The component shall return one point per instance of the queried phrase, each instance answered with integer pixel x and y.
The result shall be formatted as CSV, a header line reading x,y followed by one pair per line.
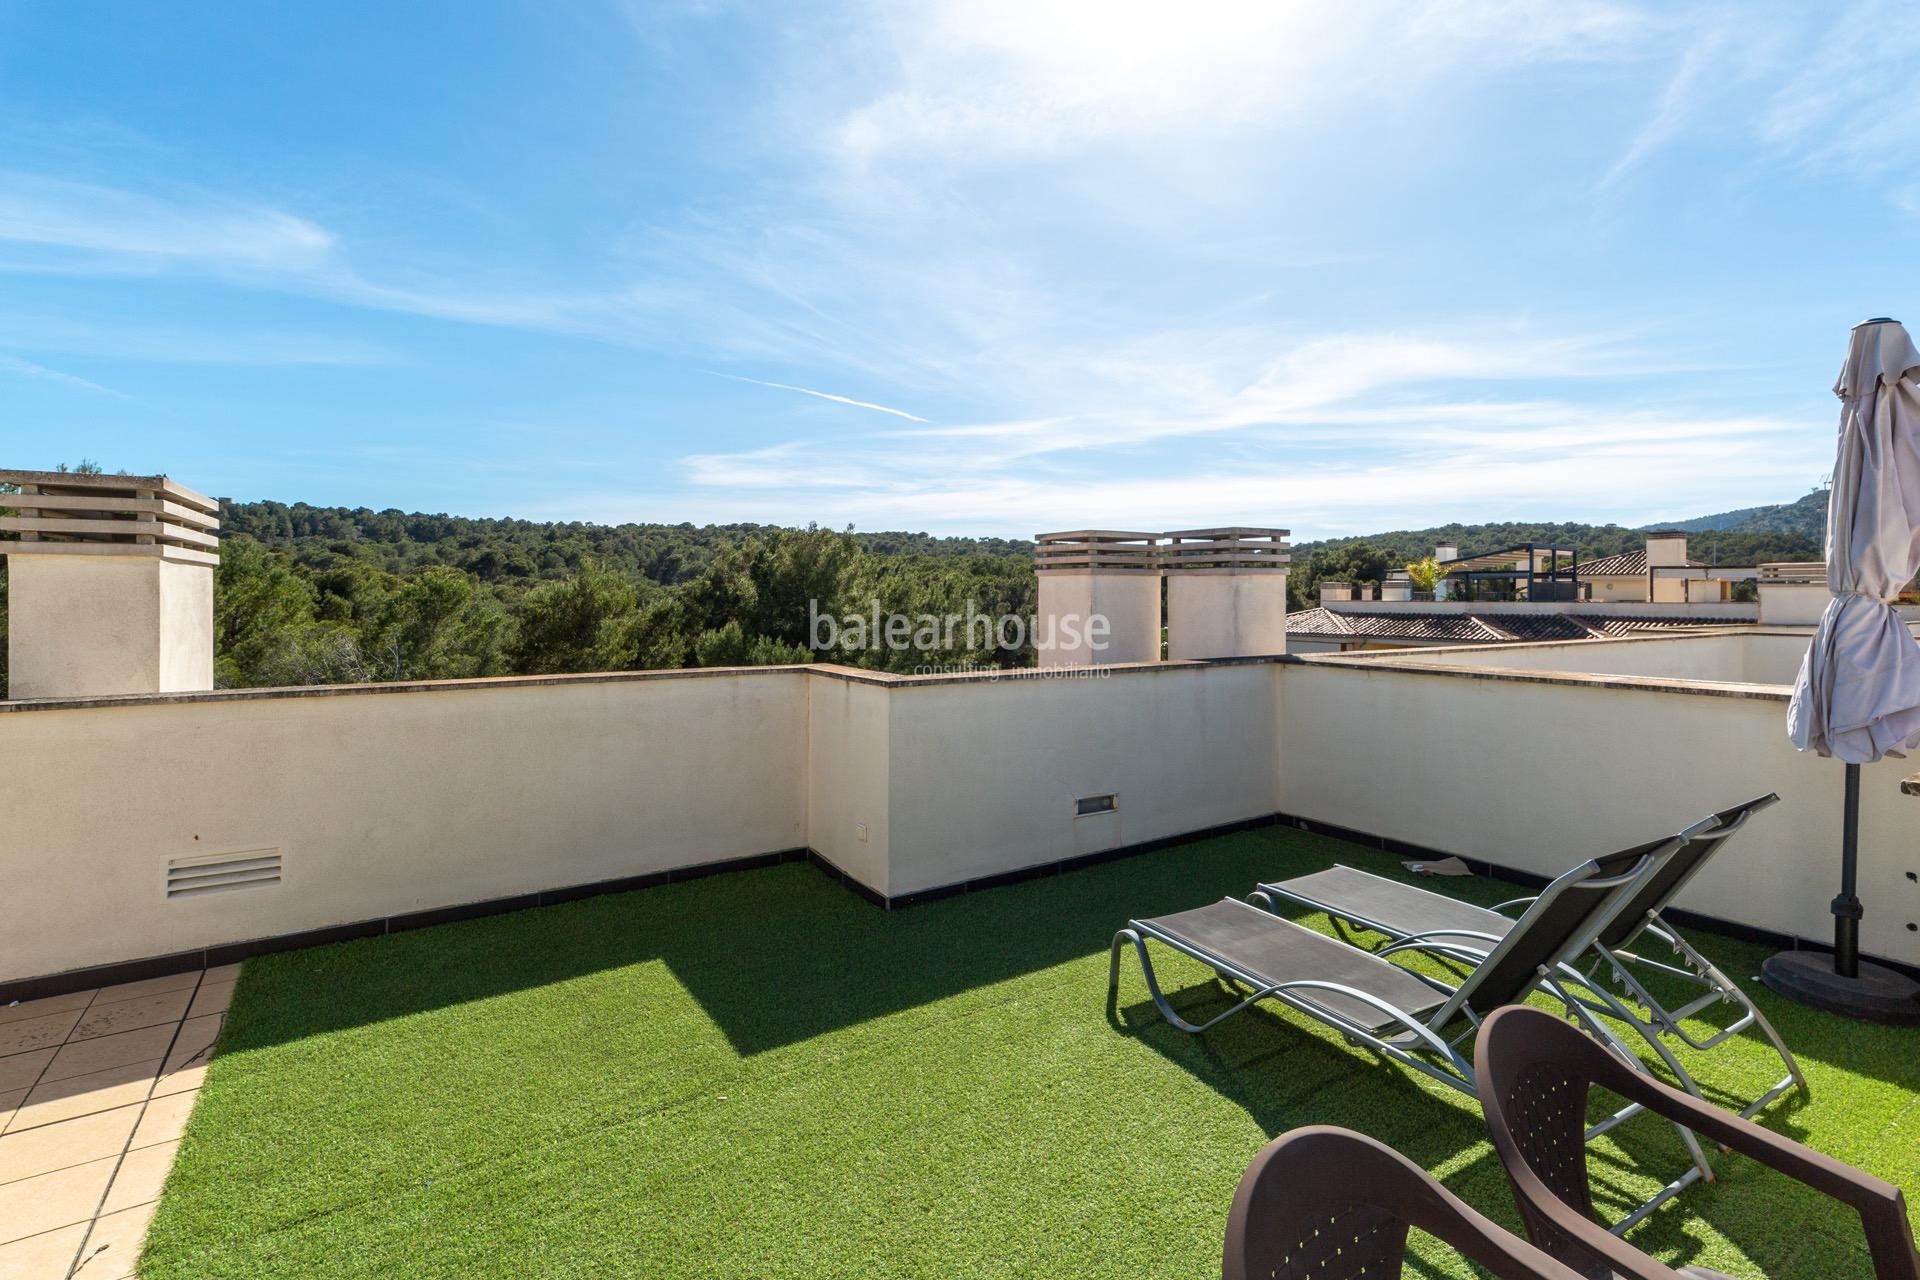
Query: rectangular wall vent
x,y
1092,804
222,872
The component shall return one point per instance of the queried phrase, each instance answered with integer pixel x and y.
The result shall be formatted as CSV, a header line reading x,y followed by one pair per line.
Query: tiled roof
x,y
1459,628
1483,628
1646,626
1628,564
1538,626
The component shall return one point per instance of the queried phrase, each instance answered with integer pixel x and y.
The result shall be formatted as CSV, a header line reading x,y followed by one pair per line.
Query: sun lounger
x,y
1395,1010
1411,1017
1403,912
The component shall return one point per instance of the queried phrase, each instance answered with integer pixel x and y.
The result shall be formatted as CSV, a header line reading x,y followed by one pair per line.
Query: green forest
x,y
324,595
327,595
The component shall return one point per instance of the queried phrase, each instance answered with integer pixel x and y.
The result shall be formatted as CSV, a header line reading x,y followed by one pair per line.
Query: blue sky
x,y
959,266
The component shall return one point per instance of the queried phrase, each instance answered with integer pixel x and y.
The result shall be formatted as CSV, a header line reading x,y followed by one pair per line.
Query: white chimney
x,y
1099,598
1443,589
1335,592
1666,550
1226,592
110,588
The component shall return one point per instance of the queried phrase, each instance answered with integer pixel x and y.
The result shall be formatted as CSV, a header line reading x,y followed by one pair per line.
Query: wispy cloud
x,y
1350,432
823,395
28,369
144,231
1674,108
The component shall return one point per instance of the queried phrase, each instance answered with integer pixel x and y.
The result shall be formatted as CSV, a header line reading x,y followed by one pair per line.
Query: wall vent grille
x,y
222,872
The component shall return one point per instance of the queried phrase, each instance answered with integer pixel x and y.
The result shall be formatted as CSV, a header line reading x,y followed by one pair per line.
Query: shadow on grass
x,y
1286,1071
772,956
783,954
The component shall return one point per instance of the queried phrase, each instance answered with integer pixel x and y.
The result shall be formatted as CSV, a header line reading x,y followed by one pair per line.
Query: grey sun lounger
x,y
1400,912
1413,1018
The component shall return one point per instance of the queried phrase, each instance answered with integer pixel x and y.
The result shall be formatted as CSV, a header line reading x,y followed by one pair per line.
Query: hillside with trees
x,y
321,595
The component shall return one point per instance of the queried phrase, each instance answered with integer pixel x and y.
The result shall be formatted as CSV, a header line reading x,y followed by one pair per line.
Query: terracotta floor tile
x,y
113,1248
47,1031
42,1007
221,973
43,1257
131,1015
212,997
58,1146
142,1174
84,1057
164,1120
22,1070
33,1205
58,1100
149,987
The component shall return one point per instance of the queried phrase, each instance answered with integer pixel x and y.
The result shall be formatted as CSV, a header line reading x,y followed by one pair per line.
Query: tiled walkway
x,y
95,1089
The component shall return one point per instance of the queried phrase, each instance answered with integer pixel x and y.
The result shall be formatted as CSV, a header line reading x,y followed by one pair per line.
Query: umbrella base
x,y
1879,994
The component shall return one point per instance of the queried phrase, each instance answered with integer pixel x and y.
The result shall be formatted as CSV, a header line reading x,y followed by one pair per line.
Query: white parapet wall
x,y
376,802
990,777
154,826
312,809
1536,769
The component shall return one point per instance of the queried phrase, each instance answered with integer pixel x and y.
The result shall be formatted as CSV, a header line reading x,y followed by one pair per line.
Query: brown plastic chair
x,y
1535,1073
1328,1204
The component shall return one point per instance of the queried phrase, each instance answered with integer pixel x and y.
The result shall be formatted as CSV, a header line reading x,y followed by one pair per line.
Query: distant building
x,y
1532,592
1661,573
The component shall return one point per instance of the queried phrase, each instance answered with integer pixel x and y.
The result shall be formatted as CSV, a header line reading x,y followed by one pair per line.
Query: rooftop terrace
x,y
761,1074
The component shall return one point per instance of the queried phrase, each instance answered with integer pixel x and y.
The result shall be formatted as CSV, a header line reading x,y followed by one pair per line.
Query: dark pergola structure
x,y
1520,566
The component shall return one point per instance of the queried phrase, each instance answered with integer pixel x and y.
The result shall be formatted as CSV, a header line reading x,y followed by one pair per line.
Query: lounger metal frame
x,y
1658,1021
1558,979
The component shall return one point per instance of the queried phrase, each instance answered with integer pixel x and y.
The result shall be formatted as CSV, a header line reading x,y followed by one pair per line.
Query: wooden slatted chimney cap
x,y
1100,550
68,513
1238,548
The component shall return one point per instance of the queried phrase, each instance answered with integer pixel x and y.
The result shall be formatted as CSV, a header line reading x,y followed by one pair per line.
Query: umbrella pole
x,y
1841,982
1846,908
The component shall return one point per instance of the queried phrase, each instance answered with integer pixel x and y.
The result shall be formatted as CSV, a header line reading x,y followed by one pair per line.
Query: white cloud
x,y
987,80
1359,431
28,369
142,231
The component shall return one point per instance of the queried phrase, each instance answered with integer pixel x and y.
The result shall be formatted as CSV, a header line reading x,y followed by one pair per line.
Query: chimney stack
x,y
1666,550
110,588
1332,592
1443,589
1099,598
1226,592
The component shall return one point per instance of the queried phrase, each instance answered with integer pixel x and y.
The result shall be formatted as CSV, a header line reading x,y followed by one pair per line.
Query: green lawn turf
x,y
759,1074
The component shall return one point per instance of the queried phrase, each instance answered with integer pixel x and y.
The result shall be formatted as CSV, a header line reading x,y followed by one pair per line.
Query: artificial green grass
x,y
759,1074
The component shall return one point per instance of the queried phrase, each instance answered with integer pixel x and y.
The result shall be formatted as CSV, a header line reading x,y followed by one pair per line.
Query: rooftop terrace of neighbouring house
x,y
801,970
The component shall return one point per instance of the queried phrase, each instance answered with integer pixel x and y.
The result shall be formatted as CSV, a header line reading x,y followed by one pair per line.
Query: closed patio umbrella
x,y
1857,697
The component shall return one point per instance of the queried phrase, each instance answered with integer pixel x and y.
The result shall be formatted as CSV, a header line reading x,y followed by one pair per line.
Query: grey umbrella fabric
x,y
1858,693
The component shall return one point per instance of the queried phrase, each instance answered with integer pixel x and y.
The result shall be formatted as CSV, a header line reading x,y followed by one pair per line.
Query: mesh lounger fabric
x,y
1275,951
1403,909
